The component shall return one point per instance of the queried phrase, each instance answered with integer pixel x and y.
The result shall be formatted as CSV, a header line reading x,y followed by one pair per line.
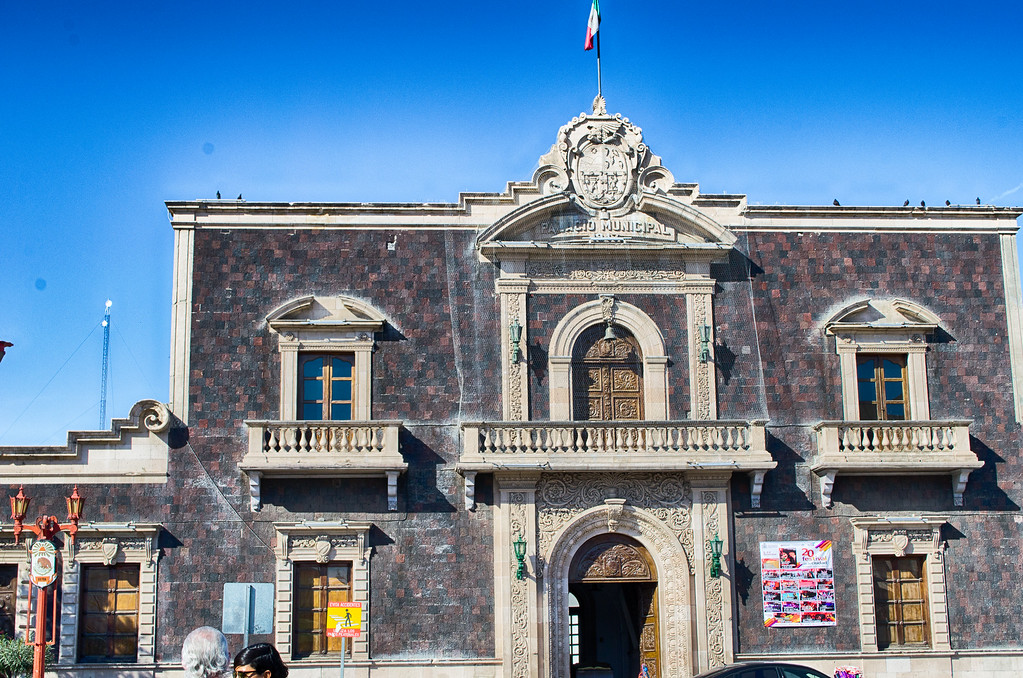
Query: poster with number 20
x,y
799,583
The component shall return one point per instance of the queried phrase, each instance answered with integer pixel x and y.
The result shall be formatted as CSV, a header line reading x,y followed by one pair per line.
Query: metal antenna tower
x,y
106,356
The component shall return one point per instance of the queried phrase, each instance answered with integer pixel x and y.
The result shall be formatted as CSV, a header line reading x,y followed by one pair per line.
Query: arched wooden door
x,y
614,582
607,376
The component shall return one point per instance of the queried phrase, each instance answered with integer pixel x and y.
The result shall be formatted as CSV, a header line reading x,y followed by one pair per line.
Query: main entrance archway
x,y
656,578
613,582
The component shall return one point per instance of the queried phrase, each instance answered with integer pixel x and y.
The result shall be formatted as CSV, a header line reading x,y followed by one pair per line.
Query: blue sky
x,y
108,109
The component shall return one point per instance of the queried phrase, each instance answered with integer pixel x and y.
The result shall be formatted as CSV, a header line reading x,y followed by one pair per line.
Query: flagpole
x,y
599,89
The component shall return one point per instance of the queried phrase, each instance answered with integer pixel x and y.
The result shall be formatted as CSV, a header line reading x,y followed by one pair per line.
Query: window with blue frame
x,y
882,385
325,391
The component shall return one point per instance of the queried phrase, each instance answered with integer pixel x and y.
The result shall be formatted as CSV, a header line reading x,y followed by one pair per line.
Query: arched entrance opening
x,y
607,376
613,615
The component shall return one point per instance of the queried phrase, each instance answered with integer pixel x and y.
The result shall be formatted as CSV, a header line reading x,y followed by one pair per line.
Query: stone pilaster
x,y
702,382
516,373
516,600
714,596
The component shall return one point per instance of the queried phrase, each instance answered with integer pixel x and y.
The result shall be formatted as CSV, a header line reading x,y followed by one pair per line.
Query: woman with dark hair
x,y
261,660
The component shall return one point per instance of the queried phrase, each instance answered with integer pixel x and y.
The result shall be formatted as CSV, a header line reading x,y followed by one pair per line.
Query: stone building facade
x,y
601,369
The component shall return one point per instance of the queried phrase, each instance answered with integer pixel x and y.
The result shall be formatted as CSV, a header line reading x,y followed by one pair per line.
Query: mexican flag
x,y
592,25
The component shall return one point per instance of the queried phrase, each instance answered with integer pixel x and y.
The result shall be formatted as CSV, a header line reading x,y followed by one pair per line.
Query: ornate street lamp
x,y
44,562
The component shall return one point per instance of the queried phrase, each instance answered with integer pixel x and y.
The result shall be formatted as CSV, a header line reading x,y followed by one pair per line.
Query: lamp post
x,y
44,562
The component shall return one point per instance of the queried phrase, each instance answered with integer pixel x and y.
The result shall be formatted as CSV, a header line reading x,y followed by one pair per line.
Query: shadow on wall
x,y
780,492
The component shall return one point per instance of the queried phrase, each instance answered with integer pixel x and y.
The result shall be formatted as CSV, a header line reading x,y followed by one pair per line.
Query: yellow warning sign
x,y
344,620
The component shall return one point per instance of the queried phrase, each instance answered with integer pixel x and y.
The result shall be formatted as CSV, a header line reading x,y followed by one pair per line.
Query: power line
x,y
59,369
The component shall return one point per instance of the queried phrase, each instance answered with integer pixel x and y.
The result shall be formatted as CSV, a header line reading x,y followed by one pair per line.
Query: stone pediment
x,y
311,312
880,315
600,185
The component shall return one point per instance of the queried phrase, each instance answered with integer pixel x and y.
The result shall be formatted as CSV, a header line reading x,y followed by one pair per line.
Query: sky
x,y
107,109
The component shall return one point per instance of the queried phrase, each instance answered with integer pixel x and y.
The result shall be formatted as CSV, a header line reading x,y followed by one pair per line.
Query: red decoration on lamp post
x,y
44,562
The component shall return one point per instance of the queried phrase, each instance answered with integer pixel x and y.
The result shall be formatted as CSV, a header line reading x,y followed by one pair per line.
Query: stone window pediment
x,y
326,325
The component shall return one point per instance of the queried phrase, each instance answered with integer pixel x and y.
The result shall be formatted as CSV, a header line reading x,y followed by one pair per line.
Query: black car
x,y
763,670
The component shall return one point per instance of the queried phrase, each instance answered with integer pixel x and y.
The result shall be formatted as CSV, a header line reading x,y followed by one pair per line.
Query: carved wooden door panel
x,y
8,598
649,647
608,378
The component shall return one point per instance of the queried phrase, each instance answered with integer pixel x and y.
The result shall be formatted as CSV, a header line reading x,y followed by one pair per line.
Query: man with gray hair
x,y
204,654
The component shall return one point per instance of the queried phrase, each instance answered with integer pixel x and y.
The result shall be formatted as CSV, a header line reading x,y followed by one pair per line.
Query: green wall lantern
x,y
520,555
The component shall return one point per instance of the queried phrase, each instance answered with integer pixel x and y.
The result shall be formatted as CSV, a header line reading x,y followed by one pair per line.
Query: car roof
x,y
748,665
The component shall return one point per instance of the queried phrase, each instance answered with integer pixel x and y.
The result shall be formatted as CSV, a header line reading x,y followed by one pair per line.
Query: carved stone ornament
x,y
322,548
110,549
614,513
602,162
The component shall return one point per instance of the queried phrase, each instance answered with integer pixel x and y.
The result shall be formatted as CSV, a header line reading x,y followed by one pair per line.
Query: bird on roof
x,y
4,345
978,201
906,204
948,204
836,203
218,195
923,204
239,196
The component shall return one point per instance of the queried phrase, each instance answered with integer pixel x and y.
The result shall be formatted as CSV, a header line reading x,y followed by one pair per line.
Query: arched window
x,y
632,326
607,375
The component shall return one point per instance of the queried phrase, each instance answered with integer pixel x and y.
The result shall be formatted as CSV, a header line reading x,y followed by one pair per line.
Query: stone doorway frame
x,y
672,565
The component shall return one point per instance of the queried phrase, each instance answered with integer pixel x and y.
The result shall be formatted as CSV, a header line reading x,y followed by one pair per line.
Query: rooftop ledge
x,y
577,446
299,449
894,448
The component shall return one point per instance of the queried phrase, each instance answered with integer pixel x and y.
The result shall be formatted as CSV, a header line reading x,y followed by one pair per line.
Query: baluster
x,y
948,437
730,437
552,435
543,440
584,436
655,439
272,443
886,439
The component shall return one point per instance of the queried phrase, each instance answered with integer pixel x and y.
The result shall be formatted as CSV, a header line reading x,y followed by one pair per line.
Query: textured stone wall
x,y
798,282
436,364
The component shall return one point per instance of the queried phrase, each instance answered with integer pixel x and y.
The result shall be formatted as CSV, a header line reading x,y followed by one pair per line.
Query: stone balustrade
x,y
894,448
689,440
634,446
